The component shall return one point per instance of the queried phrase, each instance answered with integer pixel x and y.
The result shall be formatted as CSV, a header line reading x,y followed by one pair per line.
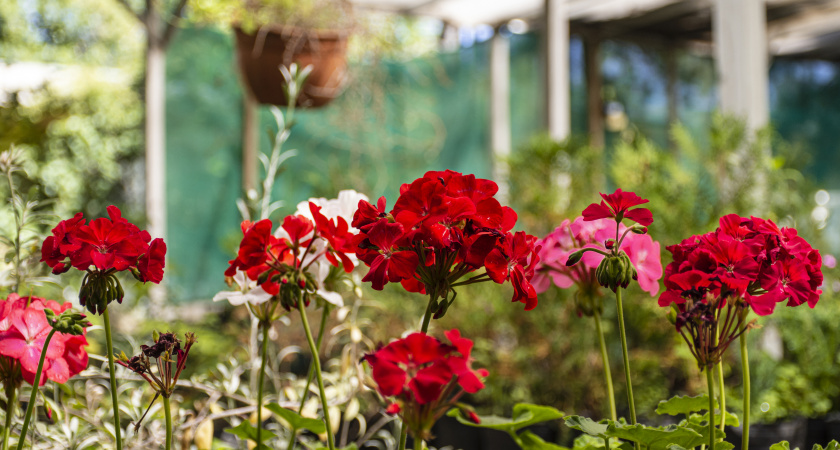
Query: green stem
x,y
310,375
264,355
10,412
419,444
427,318
317,363
110,344
403,436
722,396
33,396
745,367
168,415
623,335
710,382
606,362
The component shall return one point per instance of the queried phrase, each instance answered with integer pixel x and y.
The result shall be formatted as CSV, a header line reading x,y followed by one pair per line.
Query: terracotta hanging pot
x,y
260,54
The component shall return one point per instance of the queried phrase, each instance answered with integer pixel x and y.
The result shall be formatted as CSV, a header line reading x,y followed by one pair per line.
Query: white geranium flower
x,y
344,206
248,292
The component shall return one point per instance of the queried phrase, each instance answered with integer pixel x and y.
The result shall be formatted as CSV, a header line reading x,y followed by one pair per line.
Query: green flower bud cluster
x,y
615,271
68,322
99,289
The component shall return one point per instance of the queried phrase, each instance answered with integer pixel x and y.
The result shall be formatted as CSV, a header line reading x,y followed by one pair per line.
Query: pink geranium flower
x,y
570,237
23,331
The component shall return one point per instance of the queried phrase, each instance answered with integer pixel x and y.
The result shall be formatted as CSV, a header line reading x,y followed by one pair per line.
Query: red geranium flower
x,y
101,248
389,263
442,228
618,206
421,373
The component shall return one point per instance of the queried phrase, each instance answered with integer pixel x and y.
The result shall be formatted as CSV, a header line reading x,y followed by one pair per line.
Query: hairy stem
x,y
10,412
745,368
403,436
310,375
110,344
710,382
264,355
168,414
317,363
33,397
623,335
722,396
606,362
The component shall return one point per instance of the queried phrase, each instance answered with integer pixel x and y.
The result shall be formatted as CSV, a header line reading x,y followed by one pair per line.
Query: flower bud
x,y
574,258
609,244
639,229
302,284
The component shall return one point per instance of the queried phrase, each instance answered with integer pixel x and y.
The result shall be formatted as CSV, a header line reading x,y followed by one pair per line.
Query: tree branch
x,y
134,13
172,24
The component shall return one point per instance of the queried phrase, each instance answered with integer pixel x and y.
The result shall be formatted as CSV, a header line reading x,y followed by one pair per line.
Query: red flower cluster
x,y
280,259
442,227
425,376
23,330
751,258
114,244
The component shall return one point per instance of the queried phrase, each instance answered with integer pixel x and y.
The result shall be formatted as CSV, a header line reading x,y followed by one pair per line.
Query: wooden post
x,y
500,138
558,103
250,140
740,38
671,74
594,83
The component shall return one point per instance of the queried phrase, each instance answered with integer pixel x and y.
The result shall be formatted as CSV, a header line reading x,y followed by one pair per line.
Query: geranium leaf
x,y
247,431
784,445
833,445
524,414
587,442
297,421
656,438
684,405
700,424
588,426
530,441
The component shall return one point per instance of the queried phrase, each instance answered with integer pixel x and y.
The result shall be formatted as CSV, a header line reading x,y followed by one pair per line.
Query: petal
x,y
641,215
597,211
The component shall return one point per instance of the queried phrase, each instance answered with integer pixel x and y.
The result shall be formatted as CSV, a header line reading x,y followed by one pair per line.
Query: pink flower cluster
x,y
751,258
572,236
23,330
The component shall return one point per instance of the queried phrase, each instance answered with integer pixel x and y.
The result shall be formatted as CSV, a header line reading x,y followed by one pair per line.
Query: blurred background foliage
x,y
82,137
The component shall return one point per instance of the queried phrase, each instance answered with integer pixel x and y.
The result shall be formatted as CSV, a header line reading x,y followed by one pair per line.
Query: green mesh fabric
x,y
400,119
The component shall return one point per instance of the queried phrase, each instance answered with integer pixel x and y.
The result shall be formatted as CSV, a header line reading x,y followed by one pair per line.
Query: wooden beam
x,y
740,37
558,99
500,136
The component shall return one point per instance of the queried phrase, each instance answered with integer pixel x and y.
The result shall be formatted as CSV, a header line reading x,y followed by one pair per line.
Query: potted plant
x,y
271,33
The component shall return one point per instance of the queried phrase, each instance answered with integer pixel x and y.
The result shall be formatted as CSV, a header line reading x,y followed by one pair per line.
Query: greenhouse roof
x,y
794,27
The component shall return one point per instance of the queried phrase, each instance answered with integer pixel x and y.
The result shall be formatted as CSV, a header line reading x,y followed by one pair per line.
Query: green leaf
x,y
352,446
297,421
656,438
247,431
723,445
684,405
530,441
587,442
784,445
731,419
700,424
588,426
524,414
